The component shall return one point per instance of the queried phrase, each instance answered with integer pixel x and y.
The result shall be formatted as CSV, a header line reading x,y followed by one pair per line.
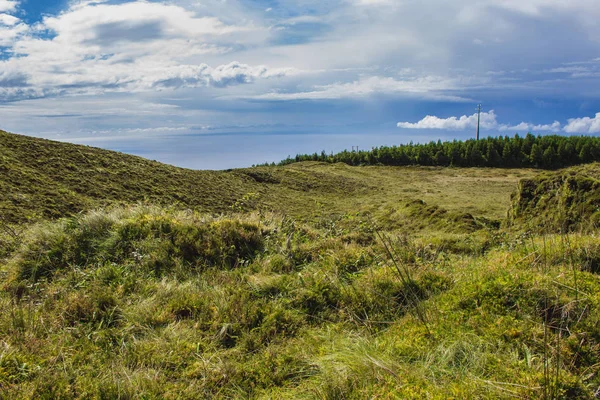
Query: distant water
x,y
239,150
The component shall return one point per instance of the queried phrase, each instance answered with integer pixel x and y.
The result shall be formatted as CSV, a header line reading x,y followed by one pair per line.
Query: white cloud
x,y
243,73
100,78
523,126
140,45
527,127
11,27
555,127
583,125
538,8
8,34
89,22
8,20
587,69
76,4
221,76
567,70
8,5
531,7
133,47
431,87
488,121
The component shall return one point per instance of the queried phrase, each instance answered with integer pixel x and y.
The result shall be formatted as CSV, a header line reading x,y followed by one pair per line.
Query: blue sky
x,y
228,83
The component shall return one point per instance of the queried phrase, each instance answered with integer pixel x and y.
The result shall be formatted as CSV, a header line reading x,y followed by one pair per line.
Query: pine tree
x,y
549,157
536,155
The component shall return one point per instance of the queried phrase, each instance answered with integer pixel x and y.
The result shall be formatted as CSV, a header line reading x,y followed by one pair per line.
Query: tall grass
x,y
147,302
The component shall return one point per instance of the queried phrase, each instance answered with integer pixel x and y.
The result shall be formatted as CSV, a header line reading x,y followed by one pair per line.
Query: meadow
x,y
123,278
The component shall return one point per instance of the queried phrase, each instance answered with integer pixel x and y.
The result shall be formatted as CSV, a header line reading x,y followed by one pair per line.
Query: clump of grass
x,y
562,201
151,241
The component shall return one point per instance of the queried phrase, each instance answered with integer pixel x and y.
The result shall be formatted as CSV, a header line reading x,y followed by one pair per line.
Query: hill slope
x,y
53,179
43,178
46,179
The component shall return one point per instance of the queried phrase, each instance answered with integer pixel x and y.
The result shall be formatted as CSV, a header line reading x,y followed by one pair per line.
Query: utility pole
x,y
478,119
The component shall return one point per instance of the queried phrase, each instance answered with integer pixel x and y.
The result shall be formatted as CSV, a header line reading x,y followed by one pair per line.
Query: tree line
x,y
547,152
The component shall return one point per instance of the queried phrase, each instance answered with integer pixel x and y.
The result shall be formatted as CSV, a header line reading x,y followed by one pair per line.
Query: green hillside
x,y
47,179
122,278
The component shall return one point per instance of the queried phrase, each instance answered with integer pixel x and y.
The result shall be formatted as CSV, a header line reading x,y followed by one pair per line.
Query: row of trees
x,y
508,152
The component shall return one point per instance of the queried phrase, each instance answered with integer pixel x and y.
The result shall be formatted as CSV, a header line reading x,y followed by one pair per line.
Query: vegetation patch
x,y
561,201
149,240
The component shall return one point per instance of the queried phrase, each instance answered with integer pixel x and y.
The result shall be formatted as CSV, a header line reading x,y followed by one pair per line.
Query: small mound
x,y
262,176
149,240
423,215
562,201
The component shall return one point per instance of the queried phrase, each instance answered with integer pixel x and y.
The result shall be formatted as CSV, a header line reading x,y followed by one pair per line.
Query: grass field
x,y
309,281
44,179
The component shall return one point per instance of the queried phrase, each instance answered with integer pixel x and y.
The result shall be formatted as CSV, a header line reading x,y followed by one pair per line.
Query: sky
x,y
217,84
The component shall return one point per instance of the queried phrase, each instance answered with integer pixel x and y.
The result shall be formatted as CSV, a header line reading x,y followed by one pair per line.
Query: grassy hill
x,y
309,281
47,179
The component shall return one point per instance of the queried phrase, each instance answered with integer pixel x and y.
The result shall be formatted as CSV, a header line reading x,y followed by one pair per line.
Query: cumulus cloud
x,y
90,23
129,31
555,127
8,5
489,121
140,45
528,127
11,27
583,125
9,33
8,20
135,46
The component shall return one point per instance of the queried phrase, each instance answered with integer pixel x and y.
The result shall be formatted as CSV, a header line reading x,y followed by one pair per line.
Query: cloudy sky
x,y
228,83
